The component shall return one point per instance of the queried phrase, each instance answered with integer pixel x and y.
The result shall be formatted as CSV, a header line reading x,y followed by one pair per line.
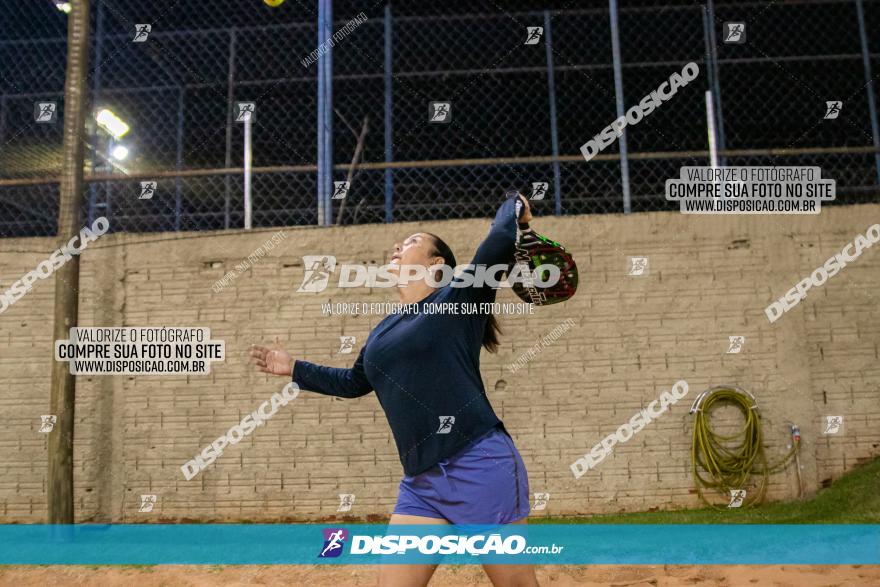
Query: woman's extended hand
x,y
273,361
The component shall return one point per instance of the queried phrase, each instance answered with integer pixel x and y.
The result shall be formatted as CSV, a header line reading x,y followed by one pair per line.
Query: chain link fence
x,y
520,107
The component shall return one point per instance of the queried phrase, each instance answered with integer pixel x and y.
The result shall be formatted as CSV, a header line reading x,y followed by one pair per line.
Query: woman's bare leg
x,y
408,575
512,575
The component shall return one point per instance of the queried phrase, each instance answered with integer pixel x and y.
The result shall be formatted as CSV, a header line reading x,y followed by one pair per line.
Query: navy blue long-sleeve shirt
x,y
425,367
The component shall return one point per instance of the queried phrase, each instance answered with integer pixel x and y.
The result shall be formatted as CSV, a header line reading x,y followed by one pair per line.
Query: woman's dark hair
x,y
490,334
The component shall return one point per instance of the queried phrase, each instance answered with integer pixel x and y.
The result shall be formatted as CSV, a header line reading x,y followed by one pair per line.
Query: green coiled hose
x,y
730,462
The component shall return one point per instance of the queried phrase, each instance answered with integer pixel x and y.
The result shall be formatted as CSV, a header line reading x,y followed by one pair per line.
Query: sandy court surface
x,y
446,576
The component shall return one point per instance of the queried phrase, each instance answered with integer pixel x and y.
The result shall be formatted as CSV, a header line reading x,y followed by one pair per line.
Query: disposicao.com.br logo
x,y
430,544
320,268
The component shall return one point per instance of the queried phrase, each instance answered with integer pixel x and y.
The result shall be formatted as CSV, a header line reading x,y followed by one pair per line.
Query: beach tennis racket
x,y
534,250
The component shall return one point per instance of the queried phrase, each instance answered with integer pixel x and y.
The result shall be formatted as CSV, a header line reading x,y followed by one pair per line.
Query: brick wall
x,y
709,278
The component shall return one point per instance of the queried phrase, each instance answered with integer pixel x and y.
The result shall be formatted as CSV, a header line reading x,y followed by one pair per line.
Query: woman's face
x,y
417,249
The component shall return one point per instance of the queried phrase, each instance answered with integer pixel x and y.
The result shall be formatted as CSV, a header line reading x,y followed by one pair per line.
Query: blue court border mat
x,y
582,544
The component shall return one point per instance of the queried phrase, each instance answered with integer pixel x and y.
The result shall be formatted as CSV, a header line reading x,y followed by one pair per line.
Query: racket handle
x,y
516,194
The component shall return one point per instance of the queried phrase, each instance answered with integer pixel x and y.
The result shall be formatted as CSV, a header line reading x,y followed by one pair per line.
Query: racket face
x,y
536,250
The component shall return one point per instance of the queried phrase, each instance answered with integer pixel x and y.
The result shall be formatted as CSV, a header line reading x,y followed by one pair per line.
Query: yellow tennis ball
x,y
274,3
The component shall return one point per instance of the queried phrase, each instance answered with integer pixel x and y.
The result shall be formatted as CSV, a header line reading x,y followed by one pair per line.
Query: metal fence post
x,y
247,162
714,77
230,96
325,112
389,112
96,98
554,131
108,184
319,123
328,113
869,79
618,92
3,120
178,198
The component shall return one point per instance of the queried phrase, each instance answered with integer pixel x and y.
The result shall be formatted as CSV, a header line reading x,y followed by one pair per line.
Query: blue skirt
x,y
484,483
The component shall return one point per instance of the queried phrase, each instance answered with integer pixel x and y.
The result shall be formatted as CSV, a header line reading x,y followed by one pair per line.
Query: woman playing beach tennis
x,y
460,464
